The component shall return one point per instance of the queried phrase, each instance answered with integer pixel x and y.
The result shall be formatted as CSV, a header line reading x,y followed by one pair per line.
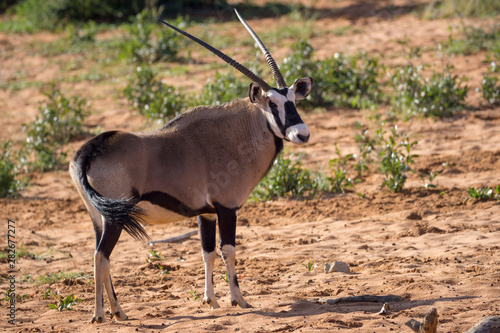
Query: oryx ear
x,y
302,87
255,93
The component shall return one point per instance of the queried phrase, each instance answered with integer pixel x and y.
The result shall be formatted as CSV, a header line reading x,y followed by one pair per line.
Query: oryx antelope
x,y
203,163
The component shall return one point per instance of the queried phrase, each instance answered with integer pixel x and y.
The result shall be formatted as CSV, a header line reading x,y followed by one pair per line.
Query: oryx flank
x,y
203,163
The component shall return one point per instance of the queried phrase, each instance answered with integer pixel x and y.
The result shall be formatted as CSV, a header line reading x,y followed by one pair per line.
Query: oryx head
x,y
278,104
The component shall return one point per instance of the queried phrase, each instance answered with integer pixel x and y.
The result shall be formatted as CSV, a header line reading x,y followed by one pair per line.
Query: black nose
x,y
304,138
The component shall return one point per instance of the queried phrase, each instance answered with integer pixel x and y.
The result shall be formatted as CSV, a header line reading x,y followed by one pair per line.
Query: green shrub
x,y
65,303
367,147
152,98
340,80
469,8
224,88
35,15
150,42
6,4
286,178
84,34
474,39
440,95
10,184
395,158
490,86
188,6
340,180
57,122
483,194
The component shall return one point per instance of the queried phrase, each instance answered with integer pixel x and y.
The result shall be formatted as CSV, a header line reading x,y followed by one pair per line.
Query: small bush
x,y
469,8
10,184
490,86
58,121
152,98
35,15
441,95
474,39
83,34
65,303
340,180
395,158
224,88
286,178
149,42
340,80
483,194
367,147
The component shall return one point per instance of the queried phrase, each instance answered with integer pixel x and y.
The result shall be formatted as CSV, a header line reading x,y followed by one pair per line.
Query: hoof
x,y
243,304
97,320
119,316
211,304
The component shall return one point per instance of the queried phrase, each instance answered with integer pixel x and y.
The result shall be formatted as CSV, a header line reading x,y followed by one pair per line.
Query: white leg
x,y
116,310
209,298
229,254
99,272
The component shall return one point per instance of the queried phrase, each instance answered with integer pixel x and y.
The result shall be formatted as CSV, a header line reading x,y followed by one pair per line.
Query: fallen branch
x,y
174,239
363,298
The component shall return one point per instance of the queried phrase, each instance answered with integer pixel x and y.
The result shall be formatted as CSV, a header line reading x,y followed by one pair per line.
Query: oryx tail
x,y
120,212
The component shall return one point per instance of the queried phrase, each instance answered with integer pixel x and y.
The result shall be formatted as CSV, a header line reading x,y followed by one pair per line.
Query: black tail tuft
x,y
121,212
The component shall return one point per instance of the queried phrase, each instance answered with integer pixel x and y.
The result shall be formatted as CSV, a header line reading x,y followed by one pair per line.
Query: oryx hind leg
x,y
227,231
207,227
109,237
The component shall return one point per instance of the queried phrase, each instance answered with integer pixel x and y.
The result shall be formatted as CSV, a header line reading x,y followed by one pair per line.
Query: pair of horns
x,y
245,71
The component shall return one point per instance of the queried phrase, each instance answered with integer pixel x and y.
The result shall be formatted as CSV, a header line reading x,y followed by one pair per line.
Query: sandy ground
x,y
429,247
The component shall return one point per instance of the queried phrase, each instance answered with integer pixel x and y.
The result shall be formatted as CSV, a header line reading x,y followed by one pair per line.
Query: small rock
x,y
414,216
337,266
386,308
429,325
486,325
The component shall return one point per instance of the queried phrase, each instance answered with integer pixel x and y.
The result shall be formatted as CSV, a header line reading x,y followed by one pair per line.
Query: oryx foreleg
x,y
207,226
227,232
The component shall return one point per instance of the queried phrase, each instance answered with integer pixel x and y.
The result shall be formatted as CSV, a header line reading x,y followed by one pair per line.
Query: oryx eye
x,y
272,105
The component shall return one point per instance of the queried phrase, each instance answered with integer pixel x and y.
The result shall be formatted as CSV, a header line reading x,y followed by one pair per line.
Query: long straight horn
x,y
274,68
245,71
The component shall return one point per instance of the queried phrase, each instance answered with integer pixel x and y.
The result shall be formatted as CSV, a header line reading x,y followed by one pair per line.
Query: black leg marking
x,y
97,231
227,224
112,289
236,282
111,234
207,229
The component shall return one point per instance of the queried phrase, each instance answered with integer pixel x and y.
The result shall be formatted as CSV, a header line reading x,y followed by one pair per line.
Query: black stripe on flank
x,y
172,204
